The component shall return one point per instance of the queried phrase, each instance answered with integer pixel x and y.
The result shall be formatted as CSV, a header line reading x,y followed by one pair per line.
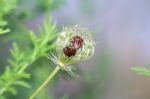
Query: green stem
x,y
55,71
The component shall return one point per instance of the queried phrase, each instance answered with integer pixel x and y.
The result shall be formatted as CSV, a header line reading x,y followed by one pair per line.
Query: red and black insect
x,y
69,51
76,43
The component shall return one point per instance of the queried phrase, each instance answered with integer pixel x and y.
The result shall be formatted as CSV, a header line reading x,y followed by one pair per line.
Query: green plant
x,y
49,4
2,31
6,7
26,50
64,62
39,46
141,71
15,72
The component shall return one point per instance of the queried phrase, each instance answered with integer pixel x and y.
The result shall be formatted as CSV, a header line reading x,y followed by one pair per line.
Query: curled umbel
x,y
73,45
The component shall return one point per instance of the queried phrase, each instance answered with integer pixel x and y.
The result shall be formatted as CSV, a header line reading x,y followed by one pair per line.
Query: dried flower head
x,y
74,44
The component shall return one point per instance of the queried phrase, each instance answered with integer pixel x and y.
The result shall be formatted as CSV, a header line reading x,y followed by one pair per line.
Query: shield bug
x,y
69,51
77,42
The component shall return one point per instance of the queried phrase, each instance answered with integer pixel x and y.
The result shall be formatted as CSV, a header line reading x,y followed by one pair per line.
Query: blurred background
x,y
122,39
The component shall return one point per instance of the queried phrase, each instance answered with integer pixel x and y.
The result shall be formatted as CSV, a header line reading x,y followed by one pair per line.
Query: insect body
x,y
76,43
69,51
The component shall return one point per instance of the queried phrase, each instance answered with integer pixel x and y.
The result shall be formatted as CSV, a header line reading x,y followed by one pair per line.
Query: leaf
x,y
11,62
15,51
12,90
2,31
6,7
23,75
7,71
22,83
15,74
141,71
33,38
2,97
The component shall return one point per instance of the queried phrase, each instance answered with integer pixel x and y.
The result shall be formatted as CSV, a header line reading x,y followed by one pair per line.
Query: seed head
x,y
73,45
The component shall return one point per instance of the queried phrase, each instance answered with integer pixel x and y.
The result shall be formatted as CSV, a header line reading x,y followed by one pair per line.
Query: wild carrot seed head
x,y
64,46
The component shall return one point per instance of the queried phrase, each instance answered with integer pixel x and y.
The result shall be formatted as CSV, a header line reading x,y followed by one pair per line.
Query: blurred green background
x,y
121,34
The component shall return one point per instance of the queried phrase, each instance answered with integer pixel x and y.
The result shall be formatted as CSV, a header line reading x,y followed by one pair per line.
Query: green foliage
x,y
14,13
2,31
41,43
6,6
141,71
15,73
27,7
49,4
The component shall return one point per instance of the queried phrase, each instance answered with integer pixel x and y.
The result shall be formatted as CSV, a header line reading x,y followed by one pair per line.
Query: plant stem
x,y
55,71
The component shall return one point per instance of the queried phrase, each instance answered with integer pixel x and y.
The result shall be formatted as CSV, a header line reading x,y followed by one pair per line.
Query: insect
x,y
69,51
76,43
